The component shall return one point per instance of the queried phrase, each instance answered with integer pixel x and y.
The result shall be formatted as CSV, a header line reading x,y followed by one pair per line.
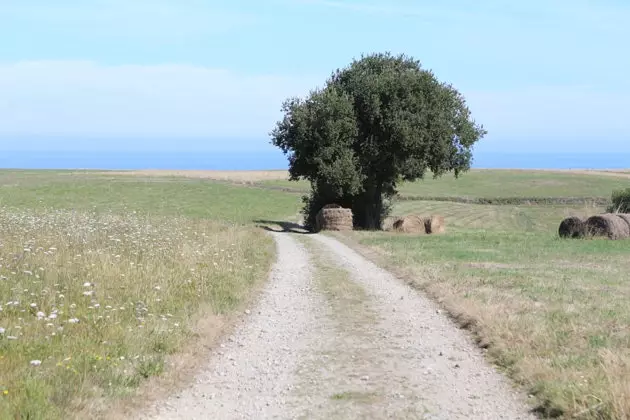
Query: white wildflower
x,y
2,331
36,362
73,321
87,284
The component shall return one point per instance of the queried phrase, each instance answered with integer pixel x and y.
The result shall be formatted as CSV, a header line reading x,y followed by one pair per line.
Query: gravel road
x,y
376,349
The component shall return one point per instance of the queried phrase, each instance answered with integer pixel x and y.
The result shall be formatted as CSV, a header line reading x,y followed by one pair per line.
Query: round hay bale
x,y
434,224
388,223
625,217
334,218
572,227
607,225
410,224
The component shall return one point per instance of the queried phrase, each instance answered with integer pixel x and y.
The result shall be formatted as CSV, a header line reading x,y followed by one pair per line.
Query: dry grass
x,y
232,176
619,173
92,305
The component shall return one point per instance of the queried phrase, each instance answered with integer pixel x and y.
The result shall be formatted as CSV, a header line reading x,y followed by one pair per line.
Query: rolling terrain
x,y
550,314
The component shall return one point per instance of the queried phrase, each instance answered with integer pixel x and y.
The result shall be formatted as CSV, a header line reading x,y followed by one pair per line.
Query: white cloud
x,y
120,19
84,98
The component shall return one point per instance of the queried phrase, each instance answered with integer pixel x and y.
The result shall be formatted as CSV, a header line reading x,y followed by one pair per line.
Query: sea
x,y
267,160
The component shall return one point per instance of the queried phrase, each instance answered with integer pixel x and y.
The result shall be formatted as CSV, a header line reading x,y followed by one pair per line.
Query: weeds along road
x,y
335,337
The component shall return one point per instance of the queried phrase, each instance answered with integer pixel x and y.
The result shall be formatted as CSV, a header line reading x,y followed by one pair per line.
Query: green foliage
x,y
379,121
620,201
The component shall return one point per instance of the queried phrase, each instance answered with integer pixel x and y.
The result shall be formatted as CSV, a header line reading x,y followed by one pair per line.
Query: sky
x,y
542,76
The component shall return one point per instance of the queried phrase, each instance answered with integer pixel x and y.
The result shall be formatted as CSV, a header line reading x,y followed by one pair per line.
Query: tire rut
x,y
425,359
253,373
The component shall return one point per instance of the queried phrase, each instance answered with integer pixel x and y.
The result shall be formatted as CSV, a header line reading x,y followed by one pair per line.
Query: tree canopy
x,y
381,120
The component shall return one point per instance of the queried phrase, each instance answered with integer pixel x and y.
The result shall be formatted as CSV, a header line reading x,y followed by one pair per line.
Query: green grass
x,y
500,184
553,313
507,218
506,183
103,280
155,196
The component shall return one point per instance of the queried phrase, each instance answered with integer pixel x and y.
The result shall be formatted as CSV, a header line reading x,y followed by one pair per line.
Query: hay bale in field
x,y
388,223
572,227
625,217
607,225
434,224
410,224
334,217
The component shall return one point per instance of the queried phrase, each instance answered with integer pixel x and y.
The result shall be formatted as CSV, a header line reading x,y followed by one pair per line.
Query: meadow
x,y
551,313
495,184
106,276
106,283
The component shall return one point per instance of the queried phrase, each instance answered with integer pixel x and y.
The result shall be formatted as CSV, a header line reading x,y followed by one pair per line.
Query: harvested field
x,y
551,313
509,218
233,176
497,184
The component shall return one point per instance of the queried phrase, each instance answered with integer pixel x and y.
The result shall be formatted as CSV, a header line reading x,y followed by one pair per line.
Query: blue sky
x,y
541,75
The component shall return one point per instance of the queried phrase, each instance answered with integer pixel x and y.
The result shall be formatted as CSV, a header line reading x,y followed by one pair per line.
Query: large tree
x,y
381,120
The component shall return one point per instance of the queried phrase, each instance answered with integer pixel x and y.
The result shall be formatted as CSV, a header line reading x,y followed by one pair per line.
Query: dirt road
x,y
335,337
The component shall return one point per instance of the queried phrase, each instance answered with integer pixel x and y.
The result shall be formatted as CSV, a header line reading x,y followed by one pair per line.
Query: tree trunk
x,y
372,209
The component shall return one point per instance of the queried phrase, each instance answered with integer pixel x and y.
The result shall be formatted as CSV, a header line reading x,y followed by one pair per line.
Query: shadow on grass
x,y
287,227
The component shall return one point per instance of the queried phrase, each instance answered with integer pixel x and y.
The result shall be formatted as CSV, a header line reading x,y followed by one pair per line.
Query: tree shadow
x,y
286,227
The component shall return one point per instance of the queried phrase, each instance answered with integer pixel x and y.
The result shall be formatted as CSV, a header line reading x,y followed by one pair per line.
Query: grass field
x,y
500,184
165,196
102,280
553,313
